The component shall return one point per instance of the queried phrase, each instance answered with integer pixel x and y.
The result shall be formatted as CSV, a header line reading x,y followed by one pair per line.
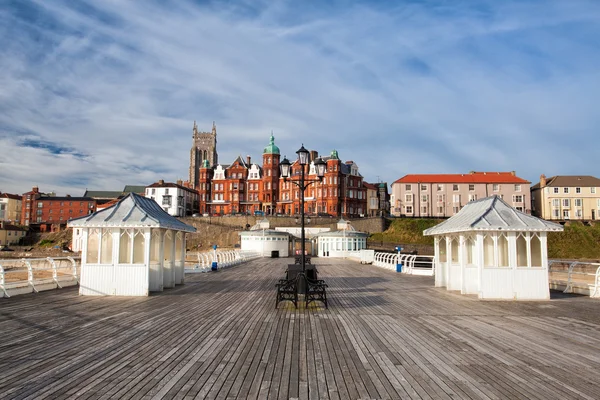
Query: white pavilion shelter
x,y
266,241
131,249
492,250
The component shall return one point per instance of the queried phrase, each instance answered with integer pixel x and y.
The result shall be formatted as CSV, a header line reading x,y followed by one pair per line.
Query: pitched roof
x,y
370,185
10,227
11,196
170,185
570,181
102,194
492,214
471,177
133,211
134,189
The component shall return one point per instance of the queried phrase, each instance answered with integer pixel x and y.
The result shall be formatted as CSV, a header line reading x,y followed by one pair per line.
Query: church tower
x,y
204,147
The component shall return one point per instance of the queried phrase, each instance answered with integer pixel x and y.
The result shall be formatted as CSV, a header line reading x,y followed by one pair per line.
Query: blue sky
x,y
99,94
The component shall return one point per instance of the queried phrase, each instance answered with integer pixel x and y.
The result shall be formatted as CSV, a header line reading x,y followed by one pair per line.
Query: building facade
x,y
378,199
249,188
566,197
10,233
10,207
443,195
204,148
50,212
176,199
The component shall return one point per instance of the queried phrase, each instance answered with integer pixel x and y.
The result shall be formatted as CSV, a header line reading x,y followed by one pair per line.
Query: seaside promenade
x,y
384,336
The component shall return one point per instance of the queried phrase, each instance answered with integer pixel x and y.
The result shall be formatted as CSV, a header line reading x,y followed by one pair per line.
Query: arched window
x,y
205,155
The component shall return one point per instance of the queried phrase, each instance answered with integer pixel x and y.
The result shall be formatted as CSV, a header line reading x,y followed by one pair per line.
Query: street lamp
x,y
284,167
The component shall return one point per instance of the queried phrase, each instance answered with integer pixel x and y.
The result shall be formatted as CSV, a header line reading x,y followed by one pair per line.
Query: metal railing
x,y
575,276
411,264
26,275
225,258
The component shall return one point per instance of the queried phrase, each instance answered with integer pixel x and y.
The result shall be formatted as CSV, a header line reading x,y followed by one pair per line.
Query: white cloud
x,y
399,89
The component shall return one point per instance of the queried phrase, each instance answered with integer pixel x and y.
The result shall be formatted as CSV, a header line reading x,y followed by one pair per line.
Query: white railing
x,y
27,275
224,258
575,277
411,264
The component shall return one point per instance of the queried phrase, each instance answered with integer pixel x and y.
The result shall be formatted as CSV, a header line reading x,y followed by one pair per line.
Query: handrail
x,y
412,264
53,264
582,280
223,258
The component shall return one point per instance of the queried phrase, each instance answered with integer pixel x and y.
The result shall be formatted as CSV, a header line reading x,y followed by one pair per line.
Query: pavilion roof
x,y
133,211
492,214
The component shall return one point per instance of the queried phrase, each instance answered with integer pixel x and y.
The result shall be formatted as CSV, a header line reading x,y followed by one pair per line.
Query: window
x,y
423,210
456,198
578,213
440,187
424,198
472,197
409,209
555,190
496,187
440,210
423,187
566,202
592,190
555,213
39,212
577,190
440,198
566,190
455,188
577,202
455,210
40,204
517,198
408,198
408,188
471,187
517,187
566,214
556,203
519,209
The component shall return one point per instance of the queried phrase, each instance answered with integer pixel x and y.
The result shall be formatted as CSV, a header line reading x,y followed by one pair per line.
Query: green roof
x,y
102,194
334,155
134,189
271,148
205,164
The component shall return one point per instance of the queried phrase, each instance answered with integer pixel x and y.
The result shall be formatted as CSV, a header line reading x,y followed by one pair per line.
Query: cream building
x,y
10,207
444,195
11,234
566,197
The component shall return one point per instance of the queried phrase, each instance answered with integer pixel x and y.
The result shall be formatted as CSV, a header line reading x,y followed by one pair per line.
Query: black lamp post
x,y
284,167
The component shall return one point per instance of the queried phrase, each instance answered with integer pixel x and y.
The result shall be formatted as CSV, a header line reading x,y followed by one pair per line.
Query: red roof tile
x,y
472,177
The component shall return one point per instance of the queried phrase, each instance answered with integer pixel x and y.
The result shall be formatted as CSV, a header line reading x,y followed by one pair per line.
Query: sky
x,y
99,94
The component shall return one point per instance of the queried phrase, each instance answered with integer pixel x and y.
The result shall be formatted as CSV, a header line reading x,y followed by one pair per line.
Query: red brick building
x,y
243,187
49,212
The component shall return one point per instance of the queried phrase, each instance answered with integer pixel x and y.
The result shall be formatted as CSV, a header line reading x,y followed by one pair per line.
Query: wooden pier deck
x,y
219,336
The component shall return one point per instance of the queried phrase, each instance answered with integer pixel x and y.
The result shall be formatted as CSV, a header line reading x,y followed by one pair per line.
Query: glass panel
x,y
107,247
178,244
168,256
442,246
488,251
155,246
521,251
139,245
536,251
454,246
125,246
92,246
470,243
503,251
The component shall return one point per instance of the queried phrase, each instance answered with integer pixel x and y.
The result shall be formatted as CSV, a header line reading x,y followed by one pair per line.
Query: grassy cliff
x,y
578,241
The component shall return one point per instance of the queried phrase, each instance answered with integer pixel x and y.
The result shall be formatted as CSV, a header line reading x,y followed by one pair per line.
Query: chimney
x,y
248,159
314,155
68,195
35,189
513,173
179,182
161,182
542,180
1,224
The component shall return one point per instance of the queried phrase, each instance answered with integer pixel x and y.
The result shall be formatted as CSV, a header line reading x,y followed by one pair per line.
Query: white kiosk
x,y
342,242
492,250
131,249
268,242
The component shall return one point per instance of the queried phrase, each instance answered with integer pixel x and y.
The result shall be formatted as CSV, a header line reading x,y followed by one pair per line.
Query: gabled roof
x,y
370,186
472,177
102,194
134,189
492,214
133,211
10,196
570,181
11,227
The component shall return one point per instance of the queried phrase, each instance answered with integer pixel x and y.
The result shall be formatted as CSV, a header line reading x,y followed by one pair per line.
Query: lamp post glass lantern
x,y
285,167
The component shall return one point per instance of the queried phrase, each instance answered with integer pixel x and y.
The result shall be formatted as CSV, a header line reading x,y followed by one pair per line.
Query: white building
x,y
342,242
490,249
268,242
176,199
130,249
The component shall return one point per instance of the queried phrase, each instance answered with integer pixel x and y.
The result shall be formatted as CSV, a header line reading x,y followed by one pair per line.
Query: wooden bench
x,y
298,259
287,290
298,282
315,291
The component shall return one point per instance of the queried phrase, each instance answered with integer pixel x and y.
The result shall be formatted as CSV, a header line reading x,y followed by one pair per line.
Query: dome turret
x,y
271,148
